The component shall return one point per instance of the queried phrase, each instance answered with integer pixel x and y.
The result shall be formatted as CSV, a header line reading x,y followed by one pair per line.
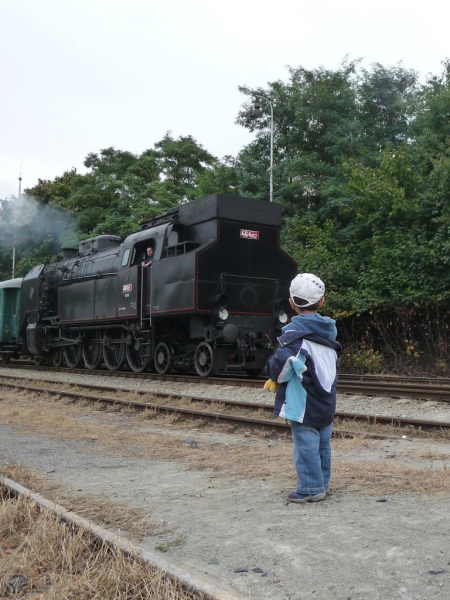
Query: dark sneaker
x,y
299,498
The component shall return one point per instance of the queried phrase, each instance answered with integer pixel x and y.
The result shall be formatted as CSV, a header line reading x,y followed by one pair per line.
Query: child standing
x,y
305,369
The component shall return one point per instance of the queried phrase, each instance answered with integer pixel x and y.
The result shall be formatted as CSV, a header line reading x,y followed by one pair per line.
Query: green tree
x,y
385,99
314,129
399,262
182,162
108,195
56,192
122,190
221,177
432,132
322,120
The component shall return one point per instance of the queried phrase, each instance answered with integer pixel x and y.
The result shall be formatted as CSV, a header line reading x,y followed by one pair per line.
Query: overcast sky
x,y
82,75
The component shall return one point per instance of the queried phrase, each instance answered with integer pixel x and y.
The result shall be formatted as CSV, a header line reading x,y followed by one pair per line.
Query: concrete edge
x,y
210,592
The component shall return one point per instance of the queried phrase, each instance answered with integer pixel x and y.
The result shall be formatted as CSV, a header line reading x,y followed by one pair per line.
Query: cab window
x,y
125,257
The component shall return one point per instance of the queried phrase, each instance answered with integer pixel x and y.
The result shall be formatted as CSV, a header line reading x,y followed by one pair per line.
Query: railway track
x,y
422,388
239,413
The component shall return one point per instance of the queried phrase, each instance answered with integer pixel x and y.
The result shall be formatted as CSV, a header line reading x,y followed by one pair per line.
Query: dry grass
x,y
42,557
433,455
366,473
389,429
113,515
125,432
386,478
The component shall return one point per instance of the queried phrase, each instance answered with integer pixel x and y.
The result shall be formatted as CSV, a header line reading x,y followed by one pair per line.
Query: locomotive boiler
x,y
214,298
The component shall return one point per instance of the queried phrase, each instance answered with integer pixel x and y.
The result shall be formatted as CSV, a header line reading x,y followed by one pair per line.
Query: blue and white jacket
x,y
305,368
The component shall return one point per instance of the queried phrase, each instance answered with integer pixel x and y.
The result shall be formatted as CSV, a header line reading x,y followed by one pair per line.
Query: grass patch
x,y
43,557
115,516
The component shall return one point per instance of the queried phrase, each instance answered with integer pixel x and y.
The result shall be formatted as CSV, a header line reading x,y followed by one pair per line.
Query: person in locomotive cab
x,y
147,262
303,374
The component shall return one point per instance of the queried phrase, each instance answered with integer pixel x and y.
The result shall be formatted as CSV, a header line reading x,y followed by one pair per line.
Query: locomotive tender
x,y
214,298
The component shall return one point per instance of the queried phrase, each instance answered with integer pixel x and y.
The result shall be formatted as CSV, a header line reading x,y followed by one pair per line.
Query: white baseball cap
x,y
307,289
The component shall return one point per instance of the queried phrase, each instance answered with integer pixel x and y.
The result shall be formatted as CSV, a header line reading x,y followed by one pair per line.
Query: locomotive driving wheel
x,y
72,355
92,350
113,349
137,355
163,358
57,357
204,359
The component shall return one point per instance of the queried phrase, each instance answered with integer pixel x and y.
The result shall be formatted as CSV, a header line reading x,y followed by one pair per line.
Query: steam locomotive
x,y
213,300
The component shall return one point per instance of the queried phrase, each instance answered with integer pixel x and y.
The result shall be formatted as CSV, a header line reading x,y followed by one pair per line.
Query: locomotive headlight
x,y
282,317
223,314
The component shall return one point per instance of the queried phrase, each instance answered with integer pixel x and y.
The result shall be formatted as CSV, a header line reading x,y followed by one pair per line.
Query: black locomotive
x,y
214,298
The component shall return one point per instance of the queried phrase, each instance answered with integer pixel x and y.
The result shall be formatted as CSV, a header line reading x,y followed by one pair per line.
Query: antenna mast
x,y
14,226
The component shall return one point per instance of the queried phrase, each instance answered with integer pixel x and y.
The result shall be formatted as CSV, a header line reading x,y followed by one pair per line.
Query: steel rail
x,y
216,416
369,385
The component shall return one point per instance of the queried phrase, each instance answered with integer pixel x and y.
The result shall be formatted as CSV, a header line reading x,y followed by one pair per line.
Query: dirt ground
x,y
220,500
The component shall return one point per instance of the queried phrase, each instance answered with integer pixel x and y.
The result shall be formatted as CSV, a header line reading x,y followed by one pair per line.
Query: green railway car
x,y
9,318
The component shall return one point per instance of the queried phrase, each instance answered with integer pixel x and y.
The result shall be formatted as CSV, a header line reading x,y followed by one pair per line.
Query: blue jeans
x,y
312,457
